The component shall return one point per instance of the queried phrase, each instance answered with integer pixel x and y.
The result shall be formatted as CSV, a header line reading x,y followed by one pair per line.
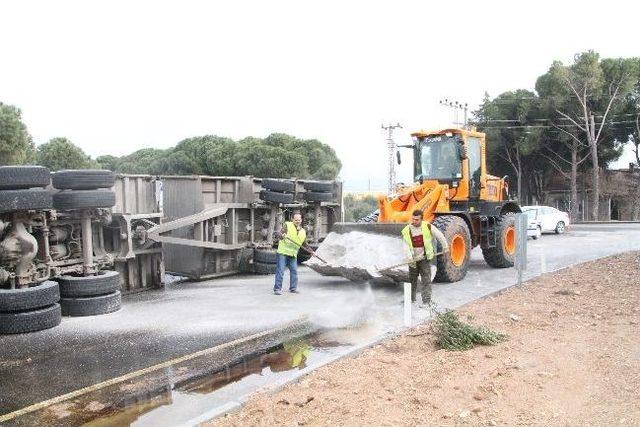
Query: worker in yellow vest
x,y
292,237
417,236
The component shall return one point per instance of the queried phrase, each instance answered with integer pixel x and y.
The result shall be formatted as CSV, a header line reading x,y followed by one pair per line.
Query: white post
x,y
407,304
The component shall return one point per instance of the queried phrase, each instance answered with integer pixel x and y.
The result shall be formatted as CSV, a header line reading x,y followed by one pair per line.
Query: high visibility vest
x,y
285,247
426,236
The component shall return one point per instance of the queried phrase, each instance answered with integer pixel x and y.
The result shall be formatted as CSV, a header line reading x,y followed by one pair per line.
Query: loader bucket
x,y
353,250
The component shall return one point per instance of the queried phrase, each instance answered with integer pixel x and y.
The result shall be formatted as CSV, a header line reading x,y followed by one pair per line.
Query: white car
x,y
551,219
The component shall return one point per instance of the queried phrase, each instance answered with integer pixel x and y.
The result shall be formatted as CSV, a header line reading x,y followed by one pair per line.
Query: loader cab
x,y
439,157
453,157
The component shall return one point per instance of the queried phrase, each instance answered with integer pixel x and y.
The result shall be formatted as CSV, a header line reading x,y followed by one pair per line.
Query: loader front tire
x,y
453,265
503,254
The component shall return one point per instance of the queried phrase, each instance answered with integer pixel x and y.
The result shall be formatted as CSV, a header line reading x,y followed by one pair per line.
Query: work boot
x,y
277,292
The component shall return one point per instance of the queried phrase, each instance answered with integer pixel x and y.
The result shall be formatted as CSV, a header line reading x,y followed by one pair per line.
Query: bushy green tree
x,y
60,153
358,207
16,146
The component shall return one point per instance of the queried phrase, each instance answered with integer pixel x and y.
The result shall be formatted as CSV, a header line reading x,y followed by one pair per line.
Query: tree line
x,y
577,120
278,155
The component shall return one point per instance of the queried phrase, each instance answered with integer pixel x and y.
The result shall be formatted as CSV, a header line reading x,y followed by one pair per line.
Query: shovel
x,y
305,249
375,271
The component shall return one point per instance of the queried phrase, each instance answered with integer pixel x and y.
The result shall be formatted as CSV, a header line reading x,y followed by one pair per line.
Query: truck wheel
x,y
274,197
91,306
280,185
83,199
262,268
105,282
21,177
503,255
30,321
453,266
42,295
35,199
313,196
88,179
264,256
319,186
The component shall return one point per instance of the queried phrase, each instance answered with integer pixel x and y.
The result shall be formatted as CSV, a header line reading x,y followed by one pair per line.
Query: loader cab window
x,y
437,157
473,152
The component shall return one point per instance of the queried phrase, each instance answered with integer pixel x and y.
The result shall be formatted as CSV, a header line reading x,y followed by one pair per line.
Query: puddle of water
x,y
160,399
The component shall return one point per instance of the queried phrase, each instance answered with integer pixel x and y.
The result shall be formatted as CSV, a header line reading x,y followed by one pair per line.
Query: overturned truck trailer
x,y
217,226
72,242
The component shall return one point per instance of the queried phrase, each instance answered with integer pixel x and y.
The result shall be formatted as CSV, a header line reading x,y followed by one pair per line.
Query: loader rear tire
x,y
503,254
453,266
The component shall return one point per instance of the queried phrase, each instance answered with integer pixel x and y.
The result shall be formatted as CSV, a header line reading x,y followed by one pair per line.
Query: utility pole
x,y
392,151
457,107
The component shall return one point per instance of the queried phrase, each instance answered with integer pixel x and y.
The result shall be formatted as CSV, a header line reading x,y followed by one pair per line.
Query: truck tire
x,y
91,306
21,177
274,197
313,196
263,268
83,199
453,266
319,186
503,255
34,199
105,282
279,185
24,299
87,179
264,256
30,321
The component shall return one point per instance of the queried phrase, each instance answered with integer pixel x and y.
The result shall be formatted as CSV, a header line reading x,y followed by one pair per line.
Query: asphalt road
x,y
183,318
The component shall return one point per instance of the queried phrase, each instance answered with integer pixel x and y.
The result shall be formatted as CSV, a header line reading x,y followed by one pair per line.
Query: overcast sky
x,y
117,76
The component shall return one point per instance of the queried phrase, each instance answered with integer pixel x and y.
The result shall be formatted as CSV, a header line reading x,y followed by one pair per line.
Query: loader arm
x,y
429,197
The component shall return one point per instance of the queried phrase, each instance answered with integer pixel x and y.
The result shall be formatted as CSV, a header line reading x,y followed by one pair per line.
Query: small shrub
x,y
453,334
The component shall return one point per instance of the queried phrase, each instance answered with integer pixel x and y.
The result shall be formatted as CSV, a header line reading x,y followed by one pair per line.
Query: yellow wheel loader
x,y
458,197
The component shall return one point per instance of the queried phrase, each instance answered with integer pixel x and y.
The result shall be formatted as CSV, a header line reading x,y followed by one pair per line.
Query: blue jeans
x,y
282,262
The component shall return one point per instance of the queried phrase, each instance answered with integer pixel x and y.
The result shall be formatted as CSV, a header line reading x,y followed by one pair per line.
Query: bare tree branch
x,y
557,166
570,134
571,119
604,116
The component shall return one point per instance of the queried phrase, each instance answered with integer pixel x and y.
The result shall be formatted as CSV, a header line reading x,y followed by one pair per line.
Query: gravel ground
x,y
572,358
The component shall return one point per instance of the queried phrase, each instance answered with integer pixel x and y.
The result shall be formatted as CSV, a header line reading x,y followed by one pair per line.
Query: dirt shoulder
x,y
572,358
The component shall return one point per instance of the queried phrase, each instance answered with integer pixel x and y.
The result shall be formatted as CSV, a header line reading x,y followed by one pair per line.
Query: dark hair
x,y
294,213
417,212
